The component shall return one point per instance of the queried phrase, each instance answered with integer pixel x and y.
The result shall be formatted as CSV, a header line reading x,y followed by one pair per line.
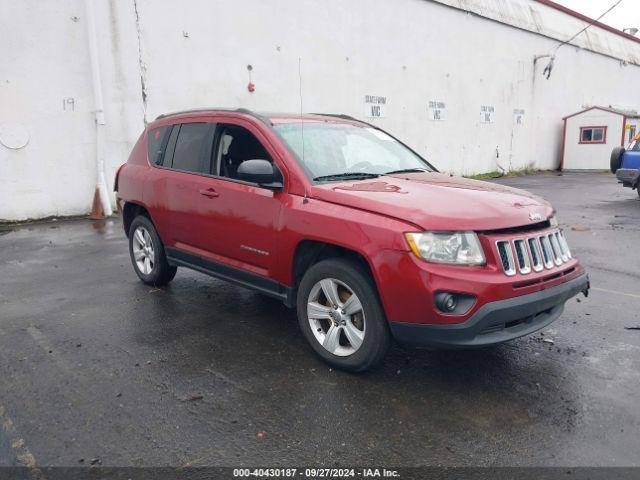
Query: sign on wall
x,y
487,113
518,116
436,110
374,106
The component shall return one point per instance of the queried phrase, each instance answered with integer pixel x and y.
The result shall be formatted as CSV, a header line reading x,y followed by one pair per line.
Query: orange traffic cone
x,y
97,212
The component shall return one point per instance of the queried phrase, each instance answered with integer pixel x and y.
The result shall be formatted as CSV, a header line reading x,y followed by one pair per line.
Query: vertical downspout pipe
x,y
101,184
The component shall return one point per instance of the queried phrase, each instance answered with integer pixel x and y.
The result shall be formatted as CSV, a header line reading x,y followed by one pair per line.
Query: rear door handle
x,y
209,192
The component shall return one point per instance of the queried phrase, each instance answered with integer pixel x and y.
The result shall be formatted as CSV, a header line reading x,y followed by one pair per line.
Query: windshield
x,y
337,151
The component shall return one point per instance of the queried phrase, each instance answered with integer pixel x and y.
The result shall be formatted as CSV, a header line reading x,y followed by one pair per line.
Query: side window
x,y
156,144
234,145
190,144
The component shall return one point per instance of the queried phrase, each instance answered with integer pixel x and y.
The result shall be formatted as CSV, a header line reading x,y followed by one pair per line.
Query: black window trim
x,y
167,158
214,149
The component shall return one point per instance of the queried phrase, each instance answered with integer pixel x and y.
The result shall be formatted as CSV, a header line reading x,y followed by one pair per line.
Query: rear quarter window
x,y
156,144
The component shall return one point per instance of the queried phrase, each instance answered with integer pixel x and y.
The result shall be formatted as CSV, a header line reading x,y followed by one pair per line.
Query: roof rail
x,y
246,111
339,115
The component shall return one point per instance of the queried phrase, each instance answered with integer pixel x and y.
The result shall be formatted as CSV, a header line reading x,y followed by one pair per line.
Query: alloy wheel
x,y
143,253
336,317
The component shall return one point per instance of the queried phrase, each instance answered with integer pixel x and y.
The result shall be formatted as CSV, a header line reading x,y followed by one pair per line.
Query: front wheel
x,y
147,253
340,315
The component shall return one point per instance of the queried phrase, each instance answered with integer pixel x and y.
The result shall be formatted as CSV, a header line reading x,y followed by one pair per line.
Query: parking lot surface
x,y
96,367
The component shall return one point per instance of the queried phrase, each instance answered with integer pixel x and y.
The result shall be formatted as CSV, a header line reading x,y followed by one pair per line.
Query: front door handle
x,y
209,192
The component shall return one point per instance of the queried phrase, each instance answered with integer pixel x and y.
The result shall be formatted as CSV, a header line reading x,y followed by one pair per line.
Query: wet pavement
x,y
95,366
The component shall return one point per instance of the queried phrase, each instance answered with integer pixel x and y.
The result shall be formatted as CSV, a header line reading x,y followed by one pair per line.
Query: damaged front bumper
x,y
496,322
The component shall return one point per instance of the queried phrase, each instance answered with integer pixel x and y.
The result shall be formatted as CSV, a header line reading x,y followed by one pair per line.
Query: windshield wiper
x,y
407,170
353,175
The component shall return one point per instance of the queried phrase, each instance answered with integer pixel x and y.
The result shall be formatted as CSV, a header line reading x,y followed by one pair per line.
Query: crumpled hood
x,y
435,201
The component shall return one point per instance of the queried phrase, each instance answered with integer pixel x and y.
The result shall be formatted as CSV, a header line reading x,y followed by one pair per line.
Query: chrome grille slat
x,y
533,253
547,253
564,244
536,254
506,257
557,253
522,256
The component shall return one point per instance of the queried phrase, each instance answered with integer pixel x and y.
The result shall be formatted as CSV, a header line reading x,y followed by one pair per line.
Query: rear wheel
x,y
340,315
616,158
147,253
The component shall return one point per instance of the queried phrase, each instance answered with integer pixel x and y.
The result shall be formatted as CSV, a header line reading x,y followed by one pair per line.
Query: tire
x,y
355,341
616,158
152,266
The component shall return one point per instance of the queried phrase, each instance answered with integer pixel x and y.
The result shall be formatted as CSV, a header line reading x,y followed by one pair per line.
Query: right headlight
x,y
457,248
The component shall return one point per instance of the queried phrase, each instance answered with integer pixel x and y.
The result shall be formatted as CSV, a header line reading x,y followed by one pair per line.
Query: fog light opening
x,y
447,302
454,303
450,303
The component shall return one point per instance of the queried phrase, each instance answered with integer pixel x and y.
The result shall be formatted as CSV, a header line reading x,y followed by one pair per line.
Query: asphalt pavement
x,y
96,367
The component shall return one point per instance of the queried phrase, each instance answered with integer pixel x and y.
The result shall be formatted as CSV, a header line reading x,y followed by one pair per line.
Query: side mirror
x,y
262,172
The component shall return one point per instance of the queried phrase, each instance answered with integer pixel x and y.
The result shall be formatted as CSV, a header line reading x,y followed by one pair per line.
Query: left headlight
x,y
459,248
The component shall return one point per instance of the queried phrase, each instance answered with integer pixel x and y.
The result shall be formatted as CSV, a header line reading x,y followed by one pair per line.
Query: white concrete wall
x,y
596,156
45,85
196,53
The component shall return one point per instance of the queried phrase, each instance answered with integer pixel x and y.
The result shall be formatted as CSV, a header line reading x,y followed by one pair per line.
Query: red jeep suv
x,y
345,223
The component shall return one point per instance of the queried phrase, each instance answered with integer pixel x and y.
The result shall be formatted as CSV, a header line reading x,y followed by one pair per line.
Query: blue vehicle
x,y
625,163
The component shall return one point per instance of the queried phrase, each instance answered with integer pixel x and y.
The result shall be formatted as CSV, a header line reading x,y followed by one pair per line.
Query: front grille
x,y
535,252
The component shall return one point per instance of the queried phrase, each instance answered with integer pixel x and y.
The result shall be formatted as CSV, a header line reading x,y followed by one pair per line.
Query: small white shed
x,y
589,136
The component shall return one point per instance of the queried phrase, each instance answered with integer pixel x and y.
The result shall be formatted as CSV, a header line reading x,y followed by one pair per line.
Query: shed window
x,y
593,134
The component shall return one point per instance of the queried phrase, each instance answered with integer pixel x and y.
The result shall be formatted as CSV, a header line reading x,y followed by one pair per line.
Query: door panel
x,y
241,226
210,215
183,181
190,210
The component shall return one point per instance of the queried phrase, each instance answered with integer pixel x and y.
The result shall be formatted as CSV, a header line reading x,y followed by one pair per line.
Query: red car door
x,y
182,188
241,222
